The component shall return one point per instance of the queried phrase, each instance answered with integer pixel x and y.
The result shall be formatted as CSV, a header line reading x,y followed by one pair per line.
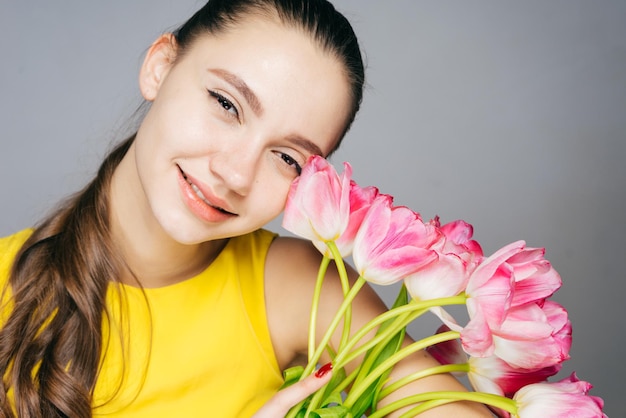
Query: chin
x,y
196,232
183,230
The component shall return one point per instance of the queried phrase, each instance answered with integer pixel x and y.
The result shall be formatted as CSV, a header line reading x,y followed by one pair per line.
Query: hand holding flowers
x,y
514,340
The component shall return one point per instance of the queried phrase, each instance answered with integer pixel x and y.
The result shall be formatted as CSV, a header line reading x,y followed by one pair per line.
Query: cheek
x,y
177,125
272,197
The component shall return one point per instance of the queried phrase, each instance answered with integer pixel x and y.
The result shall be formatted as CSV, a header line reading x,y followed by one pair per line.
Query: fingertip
x,y
324,370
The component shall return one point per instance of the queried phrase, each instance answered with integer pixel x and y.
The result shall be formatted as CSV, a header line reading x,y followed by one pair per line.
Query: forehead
x,y
297,82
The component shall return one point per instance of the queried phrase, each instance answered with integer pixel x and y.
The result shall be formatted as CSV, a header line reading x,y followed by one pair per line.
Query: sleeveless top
x,y
198,348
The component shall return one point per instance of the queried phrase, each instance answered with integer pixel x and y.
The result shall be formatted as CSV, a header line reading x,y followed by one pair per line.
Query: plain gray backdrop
x,y
510,115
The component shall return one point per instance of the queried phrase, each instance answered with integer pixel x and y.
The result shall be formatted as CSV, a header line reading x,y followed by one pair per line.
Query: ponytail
x,y
51,343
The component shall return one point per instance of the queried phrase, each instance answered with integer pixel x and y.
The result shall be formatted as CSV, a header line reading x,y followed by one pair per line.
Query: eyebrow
x,y
242,87
255,104
306,144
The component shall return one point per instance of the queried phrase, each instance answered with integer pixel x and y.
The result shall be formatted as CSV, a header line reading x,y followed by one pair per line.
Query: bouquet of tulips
x,y
514,337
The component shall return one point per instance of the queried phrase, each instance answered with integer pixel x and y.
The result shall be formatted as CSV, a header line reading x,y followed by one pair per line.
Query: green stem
x,y
345,286
321,273
358,390
345,356
347,381
381,342
447,368
345,311
425,406
333,325
429,399
419,307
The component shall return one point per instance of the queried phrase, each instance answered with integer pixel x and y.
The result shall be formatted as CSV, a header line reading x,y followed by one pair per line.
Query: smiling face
x,y
233,119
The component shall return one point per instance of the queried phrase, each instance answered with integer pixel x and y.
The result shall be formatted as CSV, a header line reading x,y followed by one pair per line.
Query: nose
x,y
236,168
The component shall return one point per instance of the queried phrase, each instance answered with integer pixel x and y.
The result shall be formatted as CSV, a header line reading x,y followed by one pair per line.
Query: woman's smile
x,y
201,201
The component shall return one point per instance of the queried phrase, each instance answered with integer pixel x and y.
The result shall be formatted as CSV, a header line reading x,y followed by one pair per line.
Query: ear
x,y
158,62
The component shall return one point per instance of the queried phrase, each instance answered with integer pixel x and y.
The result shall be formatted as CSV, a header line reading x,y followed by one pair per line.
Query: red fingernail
x,y
321,372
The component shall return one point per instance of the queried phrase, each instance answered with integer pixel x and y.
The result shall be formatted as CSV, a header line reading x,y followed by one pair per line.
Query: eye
x,y
224,103
290,161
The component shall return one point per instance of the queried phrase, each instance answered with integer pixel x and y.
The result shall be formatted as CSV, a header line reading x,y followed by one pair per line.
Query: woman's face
x,y
232,121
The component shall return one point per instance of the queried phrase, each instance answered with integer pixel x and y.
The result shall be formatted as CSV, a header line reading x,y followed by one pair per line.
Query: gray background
x,y
510,115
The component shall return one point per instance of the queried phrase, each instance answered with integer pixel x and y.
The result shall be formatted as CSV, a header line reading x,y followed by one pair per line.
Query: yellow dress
x,y
198,348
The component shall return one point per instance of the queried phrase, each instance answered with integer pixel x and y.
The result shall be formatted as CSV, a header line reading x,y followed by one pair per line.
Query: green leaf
x,y
369,399
402,299
332,399
292,375
338,411
390,349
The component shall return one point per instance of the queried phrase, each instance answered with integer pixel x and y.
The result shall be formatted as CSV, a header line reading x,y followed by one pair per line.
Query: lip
x,y
215,210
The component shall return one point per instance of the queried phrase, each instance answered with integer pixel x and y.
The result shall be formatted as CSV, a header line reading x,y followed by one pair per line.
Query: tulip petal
x,y
567,398
392,243
494,375
318,203
488,267
476,337
444,277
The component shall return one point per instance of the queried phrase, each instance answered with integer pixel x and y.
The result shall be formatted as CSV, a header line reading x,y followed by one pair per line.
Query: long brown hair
x,y
51,344
58,288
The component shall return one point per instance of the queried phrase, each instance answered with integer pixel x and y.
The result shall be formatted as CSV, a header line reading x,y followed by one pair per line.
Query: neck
x,y
153,259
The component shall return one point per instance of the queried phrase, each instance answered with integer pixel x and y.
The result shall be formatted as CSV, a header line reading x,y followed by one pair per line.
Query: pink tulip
x,y
494,375
567,398
534,336
490,291
458,256
361,199
490,374
535,278
458,240
392,243
505,295
318,204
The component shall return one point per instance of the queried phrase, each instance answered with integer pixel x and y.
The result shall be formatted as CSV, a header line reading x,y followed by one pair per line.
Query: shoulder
x,y
290,251
292,264
290,277
290,273
290,270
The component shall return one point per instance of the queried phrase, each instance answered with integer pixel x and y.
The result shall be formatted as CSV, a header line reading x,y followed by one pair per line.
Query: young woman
x,y
153,291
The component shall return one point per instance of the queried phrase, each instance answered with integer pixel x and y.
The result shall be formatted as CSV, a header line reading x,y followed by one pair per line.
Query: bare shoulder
x,y
291,271
290,274
290,252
